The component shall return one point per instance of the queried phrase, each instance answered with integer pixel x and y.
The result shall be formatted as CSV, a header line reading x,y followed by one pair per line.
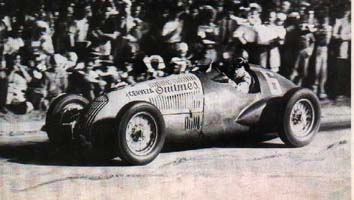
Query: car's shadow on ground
x,y
42,153
237,141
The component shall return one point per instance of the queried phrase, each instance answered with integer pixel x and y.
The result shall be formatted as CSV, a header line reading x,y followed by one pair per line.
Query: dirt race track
x,y
215,170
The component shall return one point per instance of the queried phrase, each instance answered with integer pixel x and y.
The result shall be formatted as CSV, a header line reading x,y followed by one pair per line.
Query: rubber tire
x,y
53,123
286,134
123,150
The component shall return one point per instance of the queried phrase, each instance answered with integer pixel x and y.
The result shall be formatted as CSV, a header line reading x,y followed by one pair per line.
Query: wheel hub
x,y
141,133
137,135
302,117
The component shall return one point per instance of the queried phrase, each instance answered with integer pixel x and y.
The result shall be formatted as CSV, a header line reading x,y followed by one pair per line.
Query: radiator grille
x,y
182,101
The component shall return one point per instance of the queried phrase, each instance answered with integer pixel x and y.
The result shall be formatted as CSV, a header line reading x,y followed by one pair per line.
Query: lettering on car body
x,y
166,89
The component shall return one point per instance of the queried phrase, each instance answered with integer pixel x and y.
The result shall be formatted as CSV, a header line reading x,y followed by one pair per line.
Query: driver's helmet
x,y
239,62
236,64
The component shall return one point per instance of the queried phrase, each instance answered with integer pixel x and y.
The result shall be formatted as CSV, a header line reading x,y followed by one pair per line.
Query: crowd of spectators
x,y
89,46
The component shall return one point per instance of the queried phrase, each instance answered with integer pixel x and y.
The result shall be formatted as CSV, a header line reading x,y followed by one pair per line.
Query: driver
x,y
239,76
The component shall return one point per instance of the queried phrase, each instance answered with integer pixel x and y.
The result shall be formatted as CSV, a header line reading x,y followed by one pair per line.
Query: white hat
x,y
80,65
208,42
294,15
72,56
112,11
127,2
182,47
244,8
42,24
130,38
176,60
59,59
256,6
41,57
287,3
305,4
281,16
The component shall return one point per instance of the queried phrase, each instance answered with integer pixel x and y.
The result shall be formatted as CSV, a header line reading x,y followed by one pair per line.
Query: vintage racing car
x,y
132,122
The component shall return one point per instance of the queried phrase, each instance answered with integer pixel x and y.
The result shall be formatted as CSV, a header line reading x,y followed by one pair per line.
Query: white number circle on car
x,y
273,83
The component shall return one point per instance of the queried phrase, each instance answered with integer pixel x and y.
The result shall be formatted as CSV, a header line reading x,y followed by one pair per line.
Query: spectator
x,y
13,44
3,87
342,33
38,86
228,25
289,51
3,73
342,36
274,54
61,39
105,31
306,43
18,79
57,76
78,32
323,37
247,34
208,33
285,7
181,63
303,8
11,48
93,84
139,26
129,75
41,39
253,16
155,66
171,34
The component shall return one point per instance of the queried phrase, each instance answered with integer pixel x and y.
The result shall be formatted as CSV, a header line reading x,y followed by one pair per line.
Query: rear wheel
x,y
61,117
141,134
301,118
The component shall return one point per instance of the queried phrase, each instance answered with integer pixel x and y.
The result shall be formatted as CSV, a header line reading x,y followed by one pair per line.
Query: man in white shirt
x,y
78,32
342,37
18,79
342,33
172,34
323,37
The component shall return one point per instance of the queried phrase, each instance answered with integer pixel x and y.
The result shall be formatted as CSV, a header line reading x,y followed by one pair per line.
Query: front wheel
x,y
61,116
141,134
301,118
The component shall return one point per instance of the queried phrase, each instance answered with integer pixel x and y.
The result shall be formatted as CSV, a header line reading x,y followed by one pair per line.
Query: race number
x,y
273,83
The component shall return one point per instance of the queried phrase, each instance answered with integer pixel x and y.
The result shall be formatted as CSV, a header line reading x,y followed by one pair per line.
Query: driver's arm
x,y
245,82
243,87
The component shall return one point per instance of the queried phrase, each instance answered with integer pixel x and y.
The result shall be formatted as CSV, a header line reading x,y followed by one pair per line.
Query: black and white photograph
x,y
175,99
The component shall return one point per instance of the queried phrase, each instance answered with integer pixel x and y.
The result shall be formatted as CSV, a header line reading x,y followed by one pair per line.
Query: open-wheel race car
x,y
132,122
